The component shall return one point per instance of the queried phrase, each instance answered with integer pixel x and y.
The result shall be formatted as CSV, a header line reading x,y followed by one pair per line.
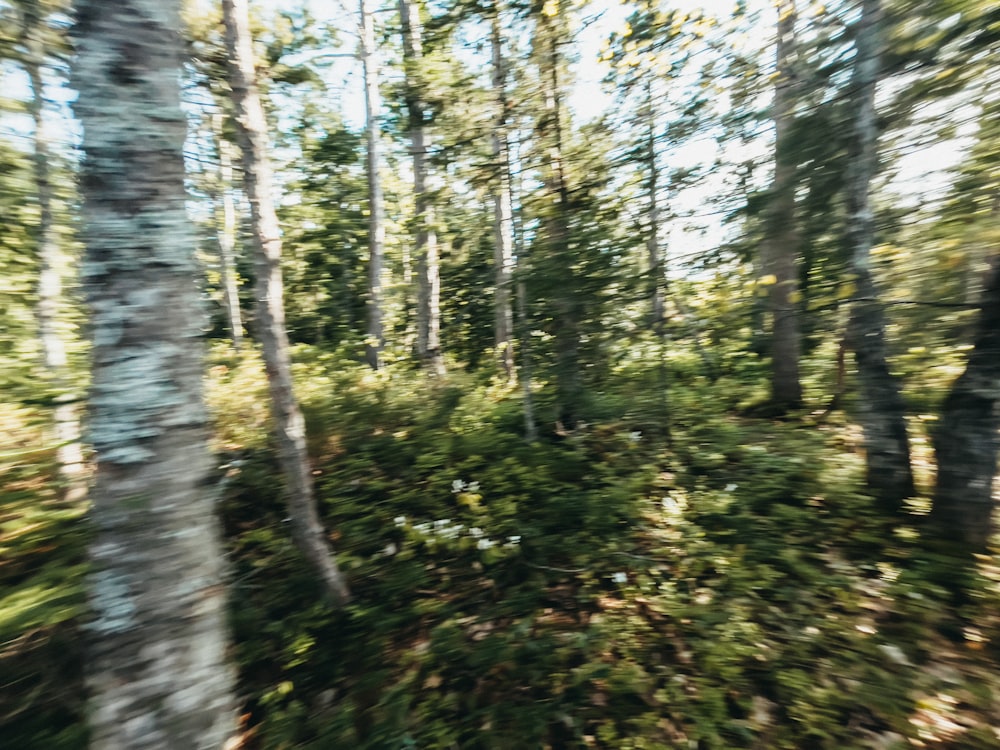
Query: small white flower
x,y
457,486
390,550
730,487
400,520
485,544
620,577
635,437
472,487
475,532
514,539
422,528
442,523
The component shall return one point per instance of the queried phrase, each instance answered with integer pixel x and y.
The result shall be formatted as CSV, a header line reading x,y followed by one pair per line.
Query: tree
x,y
224,205
37,42
376,220
158,668
424,233
889,475
289,424
503,210
780,247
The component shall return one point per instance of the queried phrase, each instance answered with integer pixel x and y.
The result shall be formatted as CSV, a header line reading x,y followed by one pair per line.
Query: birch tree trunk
x,y
883,421
158,675
781,244
225,222
66,422
373,161
503,212
653,239
425,236
289,424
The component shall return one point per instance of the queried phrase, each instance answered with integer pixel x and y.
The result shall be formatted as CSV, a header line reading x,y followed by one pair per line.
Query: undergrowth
x,y
678,579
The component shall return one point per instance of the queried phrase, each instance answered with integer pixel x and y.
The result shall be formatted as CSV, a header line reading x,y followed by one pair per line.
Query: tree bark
x,y
425,236
555,223
781,245
883,412
966,441
66,422
503,211
225,222
158,673
307,530
376,222
653,238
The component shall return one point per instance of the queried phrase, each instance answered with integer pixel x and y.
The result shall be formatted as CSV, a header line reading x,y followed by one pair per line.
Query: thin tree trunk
x,y
781,245
226,229
158,673
288,422
503,211
376,222
653,238
966,438
883,417
425,236
66,422
556,226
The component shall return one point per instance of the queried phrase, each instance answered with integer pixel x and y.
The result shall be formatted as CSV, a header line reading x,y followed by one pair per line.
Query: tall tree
x,y
307,530
883,417
549,36
376,219
224,206
780,249
424,232
157,666
503,211
37,43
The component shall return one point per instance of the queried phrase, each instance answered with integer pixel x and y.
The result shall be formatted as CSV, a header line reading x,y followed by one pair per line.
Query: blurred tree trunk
x,y
653,236
376,221
883,417
288,422
965,440
503,210
426,246
157,664
780,249
66,421
550,32
225,222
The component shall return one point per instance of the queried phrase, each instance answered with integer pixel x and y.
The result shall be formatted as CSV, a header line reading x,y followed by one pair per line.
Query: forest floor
x,y
728,587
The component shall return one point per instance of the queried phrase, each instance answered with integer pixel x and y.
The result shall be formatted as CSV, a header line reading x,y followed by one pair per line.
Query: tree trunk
x,y
428,274
376,222
781,244
503,212
965,440
883,413
653,237
288,422
158,673
66,422
555,225
226,228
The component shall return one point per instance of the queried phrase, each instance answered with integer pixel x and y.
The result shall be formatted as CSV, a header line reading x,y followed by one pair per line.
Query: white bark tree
x,y
157,665
376,219
289,425
424,234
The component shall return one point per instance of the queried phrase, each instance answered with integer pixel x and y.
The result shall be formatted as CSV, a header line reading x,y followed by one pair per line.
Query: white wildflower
x,y
485,544
635,436
620,577
731,486
390,550
457,486
400,520
475,532
472,487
